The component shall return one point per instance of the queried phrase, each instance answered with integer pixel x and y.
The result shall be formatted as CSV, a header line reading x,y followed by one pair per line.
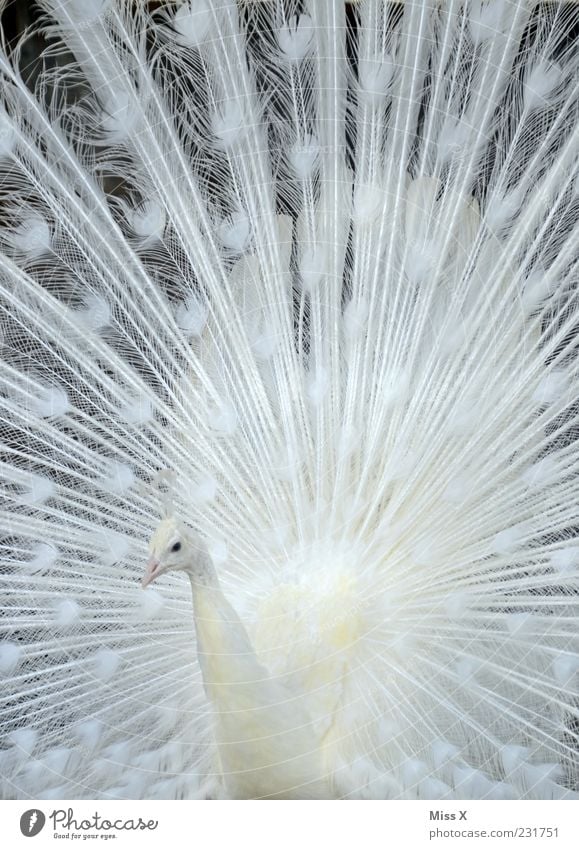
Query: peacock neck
x,y
258,723
217,623
202,574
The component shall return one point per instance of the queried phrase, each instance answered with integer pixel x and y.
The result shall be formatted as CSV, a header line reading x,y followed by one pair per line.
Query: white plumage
x,y
267,743
319,261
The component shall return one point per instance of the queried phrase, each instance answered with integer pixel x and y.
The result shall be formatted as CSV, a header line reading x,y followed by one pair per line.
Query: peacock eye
x,y
176,547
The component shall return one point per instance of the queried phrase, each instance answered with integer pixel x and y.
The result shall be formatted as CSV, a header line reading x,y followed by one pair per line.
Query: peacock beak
x,y
152,571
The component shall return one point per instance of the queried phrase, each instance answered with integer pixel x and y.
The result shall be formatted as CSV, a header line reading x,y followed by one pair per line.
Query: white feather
x,y
10,656
540,82
192,21
32,237
295,38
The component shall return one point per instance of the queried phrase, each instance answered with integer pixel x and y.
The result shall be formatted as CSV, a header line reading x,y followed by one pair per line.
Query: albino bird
x,y
267,745
319,261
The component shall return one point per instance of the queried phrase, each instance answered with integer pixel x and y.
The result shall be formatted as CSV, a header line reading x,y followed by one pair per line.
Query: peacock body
x,y
319,262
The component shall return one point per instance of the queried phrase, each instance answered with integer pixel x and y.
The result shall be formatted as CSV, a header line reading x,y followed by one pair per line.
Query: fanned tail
x,y
320,261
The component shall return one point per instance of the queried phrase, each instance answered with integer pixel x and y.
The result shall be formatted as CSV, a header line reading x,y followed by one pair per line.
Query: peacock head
x,y
170,549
